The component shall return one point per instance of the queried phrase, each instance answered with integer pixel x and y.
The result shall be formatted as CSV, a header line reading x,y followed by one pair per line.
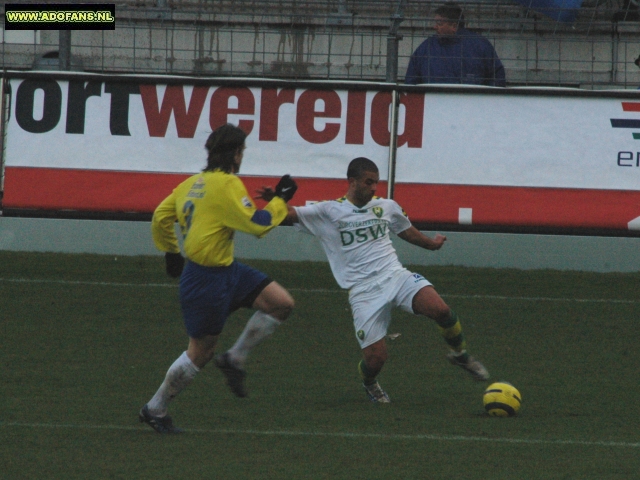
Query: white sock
x,y
178,377
258,328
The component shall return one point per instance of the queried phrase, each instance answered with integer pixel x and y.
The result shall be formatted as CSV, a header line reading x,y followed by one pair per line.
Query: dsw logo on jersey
x,y
361,235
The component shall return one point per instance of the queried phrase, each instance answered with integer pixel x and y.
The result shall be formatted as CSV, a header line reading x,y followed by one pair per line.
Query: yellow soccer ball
x,y
501,399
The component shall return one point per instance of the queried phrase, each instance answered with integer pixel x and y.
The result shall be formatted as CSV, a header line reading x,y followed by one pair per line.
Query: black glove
x,y
286,188
174,263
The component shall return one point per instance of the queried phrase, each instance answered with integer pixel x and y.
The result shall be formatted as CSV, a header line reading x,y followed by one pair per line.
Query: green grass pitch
x,y
86,341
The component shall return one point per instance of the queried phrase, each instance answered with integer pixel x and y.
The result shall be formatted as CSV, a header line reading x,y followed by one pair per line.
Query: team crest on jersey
x,y
360,334
377,211
246,202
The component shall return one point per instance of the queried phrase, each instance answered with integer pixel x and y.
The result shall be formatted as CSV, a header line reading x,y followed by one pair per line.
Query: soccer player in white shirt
x,y
354,232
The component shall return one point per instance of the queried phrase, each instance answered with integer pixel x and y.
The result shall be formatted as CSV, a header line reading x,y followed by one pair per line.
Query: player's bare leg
x,y
274,304
375,356
201,350
428,302
275,301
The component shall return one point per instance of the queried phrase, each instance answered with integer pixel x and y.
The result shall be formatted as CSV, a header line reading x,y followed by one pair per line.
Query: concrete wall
x,y
598,254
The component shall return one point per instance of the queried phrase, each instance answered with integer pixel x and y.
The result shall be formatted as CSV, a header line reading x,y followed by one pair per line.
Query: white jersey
x,y
356,240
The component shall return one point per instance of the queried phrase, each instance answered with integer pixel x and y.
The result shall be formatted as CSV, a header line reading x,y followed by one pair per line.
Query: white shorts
x,y
372,302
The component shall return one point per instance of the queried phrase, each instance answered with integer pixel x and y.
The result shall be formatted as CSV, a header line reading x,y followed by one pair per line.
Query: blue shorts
x,y
208,295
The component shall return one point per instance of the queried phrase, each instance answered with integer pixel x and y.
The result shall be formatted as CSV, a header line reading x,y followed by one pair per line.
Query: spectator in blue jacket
x,y
455,54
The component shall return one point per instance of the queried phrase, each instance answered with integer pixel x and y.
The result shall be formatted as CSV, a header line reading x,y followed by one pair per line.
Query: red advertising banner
x,y
470,159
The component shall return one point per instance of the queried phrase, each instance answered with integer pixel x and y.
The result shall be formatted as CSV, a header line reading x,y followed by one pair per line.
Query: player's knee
x,y
286,308
439,312
275,301
283,307
200,353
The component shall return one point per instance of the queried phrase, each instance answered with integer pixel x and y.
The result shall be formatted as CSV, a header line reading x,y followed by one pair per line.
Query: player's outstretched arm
x,y
242,214
292,216
415,237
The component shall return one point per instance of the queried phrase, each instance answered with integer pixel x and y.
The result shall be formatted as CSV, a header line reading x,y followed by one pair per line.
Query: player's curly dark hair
x,y
223,145
359,165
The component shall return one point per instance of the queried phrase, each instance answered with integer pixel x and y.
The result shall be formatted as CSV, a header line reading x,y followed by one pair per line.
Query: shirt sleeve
x,y
241,213
399,219
162,225
309,218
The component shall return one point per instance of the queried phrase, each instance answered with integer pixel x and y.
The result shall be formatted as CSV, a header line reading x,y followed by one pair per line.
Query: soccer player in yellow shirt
x,y
209,208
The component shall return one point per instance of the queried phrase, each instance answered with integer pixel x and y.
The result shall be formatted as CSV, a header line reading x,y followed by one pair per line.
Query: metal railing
x,y
342,40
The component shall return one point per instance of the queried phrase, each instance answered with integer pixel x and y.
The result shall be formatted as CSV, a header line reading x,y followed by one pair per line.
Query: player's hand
x,y
265,193
438,241
174,263
286,188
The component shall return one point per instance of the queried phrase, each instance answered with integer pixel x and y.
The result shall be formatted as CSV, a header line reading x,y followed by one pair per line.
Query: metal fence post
x,y
615,42
393,39
64,50
392,58
393,144
4,118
